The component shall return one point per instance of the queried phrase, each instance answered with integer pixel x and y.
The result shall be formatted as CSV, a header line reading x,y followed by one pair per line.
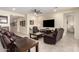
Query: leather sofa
x,y
54,36
7,40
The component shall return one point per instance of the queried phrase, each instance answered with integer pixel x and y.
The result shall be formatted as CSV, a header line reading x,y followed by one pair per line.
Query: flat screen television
x,y
48,23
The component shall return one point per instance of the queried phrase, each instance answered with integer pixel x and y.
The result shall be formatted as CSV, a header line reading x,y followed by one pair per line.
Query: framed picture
x,y
4,19
31,22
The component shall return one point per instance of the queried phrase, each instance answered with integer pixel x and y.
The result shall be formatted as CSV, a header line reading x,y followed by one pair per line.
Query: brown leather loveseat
x,y
54,37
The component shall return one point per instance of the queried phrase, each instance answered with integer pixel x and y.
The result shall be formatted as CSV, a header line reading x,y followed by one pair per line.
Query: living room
x,y
21,20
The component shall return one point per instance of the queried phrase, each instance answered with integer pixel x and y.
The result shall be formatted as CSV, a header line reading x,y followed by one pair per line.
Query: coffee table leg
x,y
37,48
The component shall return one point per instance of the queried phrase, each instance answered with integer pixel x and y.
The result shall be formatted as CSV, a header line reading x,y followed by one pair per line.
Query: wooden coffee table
x,y
26,44
36,35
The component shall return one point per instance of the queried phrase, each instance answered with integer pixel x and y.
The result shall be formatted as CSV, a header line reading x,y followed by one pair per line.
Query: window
x,y
4,19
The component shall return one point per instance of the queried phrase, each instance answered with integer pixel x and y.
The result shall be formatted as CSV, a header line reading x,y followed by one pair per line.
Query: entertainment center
x,y
48,25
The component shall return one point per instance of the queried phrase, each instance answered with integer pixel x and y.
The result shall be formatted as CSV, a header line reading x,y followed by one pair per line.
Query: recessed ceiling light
x,y
13,9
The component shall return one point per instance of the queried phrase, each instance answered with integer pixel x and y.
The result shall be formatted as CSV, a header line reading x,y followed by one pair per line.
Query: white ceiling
x,y
25,10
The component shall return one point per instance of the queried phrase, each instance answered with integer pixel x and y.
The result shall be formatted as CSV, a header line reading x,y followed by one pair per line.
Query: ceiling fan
x,y
37,11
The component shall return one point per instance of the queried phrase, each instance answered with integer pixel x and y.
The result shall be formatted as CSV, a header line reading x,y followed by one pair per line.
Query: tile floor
x,y
66,44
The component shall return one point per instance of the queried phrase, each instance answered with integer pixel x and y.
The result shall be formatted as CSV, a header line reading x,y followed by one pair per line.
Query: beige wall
x,y
60,20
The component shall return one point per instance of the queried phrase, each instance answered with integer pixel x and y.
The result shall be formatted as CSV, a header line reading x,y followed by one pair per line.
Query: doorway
x,y
70,25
